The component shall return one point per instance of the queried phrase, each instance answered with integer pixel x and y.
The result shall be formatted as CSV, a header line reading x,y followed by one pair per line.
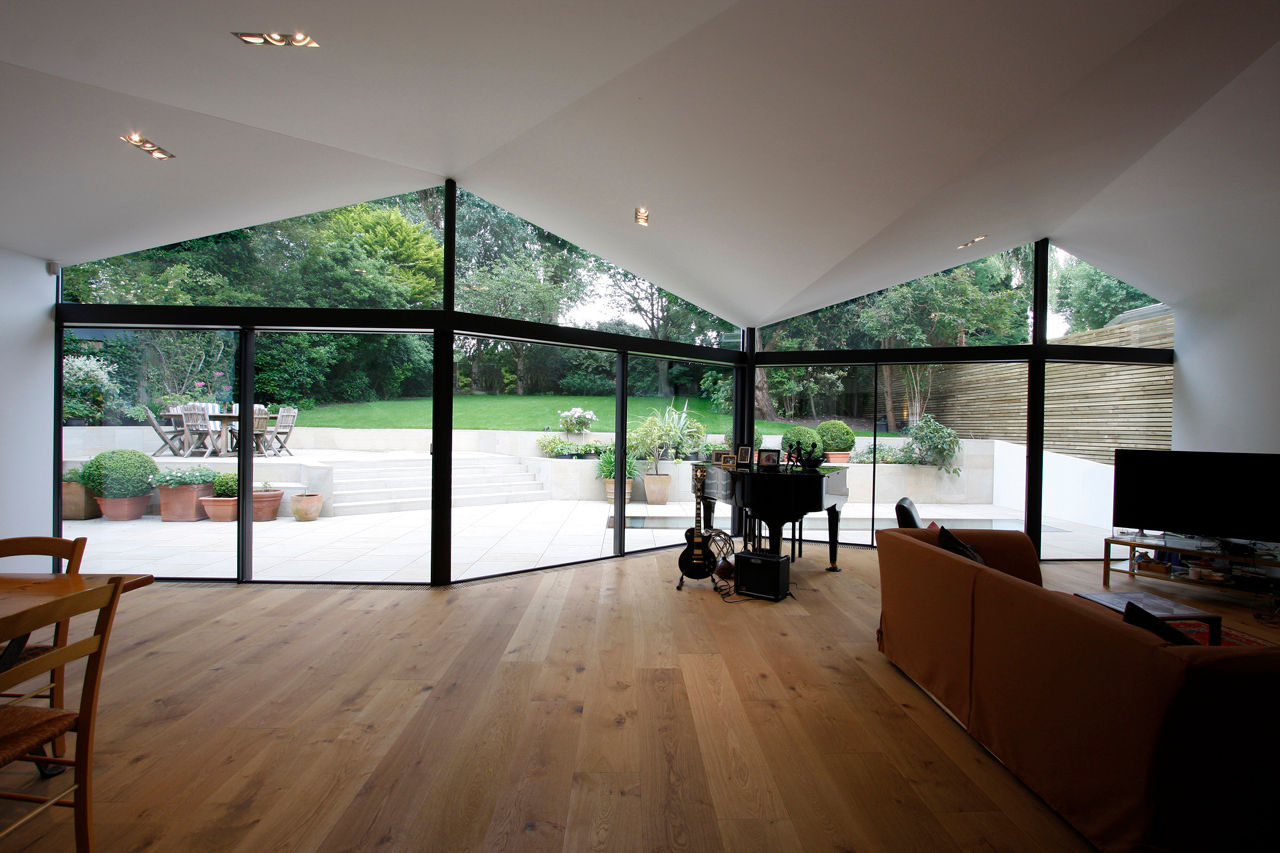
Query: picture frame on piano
x,y
744,456
767,460
720,457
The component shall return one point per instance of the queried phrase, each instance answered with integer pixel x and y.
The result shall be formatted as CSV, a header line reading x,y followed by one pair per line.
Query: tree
x,y
413,258
1090,298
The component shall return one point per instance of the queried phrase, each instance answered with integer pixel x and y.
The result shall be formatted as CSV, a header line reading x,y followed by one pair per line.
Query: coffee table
x,y
1161,608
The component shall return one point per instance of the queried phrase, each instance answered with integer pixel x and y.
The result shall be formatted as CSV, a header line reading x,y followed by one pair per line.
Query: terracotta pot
x,y
608,490
306,507
124,509
77,503
837,455
266,504
221,509
182,503
656,488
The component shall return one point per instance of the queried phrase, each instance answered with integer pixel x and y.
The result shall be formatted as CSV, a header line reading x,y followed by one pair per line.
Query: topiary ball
x,y
800,438
226,486
836,436
119,473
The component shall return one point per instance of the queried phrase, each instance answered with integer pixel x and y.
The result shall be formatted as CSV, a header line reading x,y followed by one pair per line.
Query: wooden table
x,y
224,421
20,592
1161,608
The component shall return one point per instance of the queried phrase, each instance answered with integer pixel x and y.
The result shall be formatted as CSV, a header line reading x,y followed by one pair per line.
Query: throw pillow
x,y
948,541
1136,614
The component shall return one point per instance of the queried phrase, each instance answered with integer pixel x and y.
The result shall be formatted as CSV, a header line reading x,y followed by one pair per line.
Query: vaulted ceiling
x,y
793,153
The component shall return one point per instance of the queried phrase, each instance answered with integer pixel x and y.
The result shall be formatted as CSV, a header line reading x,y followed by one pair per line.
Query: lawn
x,y
509,412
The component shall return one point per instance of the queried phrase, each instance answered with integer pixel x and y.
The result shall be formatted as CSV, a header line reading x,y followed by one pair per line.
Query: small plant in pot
x,y
306,506
121,482
77,503
180,492
224,504
605,469
837,440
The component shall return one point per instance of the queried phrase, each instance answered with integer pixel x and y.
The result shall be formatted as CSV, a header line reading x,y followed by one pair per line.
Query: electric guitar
x,y
696,561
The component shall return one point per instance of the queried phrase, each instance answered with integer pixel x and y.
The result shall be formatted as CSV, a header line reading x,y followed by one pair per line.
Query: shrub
x,y
226,486
836,436
551,444
72,475
119,473
933,443
605,469
577,420
193,476
800,437
885,454
88,384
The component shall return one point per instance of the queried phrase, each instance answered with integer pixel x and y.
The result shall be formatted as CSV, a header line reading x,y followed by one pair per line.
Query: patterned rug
x,y
1199,632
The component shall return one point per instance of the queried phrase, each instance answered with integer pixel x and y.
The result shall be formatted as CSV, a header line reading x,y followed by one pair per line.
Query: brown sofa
x,y
1140,744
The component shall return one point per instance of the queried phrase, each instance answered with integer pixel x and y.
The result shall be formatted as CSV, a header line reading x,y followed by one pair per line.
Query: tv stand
x,y
1242,572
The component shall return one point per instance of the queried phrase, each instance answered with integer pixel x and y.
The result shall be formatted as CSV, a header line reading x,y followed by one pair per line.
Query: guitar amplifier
x,y
762,575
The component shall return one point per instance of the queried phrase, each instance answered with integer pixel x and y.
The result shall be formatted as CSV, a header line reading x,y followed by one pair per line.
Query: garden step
x,y
362,507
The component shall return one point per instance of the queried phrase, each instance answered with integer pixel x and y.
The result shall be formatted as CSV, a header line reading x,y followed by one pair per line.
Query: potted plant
x,y
224,505
653,444
801,438
837,440
555,447
266,502
180,492
77,503
306,506
121,482
576,421
605,471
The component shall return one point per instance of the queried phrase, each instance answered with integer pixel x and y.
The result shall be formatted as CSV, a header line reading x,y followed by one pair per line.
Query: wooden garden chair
x,y
26,729
278,438
172,436
196,425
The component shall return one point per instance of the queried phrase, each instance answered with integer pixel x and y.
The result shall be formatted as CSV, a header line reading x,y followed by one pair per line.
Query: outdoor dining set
x,y
205,429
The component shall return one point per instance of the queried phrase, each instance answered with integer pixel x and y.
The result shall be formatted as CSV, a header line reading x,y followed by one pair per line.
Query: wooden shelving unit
x,y
1243,573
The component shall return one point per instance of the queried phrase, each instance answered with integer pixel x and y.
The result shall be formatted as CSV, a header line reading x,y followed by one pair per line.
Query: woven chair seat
x,y
26,728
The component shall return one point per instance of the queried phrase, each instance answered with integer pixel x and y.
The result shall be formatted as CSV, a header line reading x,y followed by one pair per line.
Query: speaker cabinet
x,y
762,575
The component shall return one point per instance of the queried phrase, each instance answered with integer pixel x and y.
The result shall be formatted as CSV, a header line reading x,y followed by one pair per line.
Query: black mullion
x,y
622,379
442,405
1033,509
244,461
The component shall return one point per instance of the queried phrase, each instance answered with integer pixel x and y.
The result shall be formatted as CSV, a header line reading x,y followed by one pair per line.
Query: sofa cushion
x,y
948,541
1136,614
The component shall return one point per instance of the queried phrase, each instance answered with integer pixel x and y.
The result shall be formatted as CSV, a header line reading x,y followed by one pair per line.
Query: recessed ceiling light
x,y
140,142
642,216
979,238
278,39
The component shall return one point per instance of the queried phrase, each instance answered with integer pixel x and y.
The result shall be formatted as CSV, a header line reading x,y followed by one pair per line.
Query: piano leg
x,y
833,536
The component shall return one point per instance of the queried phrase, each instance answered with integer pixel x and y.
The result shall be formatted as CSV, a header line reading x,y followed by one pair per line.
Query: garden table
x,y
224,421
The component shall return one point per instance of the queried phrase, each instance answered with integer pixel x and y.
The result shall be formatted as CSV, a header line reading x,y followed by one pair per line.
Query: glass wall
x,y
958,444
1090,411
353,473
531,424
126,439
1089,307
380,254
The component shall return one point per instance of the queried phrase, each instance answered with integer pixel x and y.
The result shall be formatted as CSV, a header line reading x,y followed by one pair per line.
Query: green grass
x,y
509,412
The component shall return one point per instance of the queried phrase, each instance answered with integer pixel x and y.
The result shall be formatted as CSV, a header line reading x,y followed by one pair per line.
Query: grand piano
x,y
779,498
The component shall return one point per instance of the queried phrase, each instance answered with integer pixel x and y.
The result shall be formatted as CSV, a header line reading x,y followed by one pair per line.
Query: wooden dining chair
x,y
278,438
172,436
200,434
71,552
26,729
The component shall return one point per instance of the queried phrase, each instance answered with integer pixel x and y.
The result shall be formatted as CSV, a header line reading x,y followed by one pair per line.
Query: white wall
x,y
26,399
1226,394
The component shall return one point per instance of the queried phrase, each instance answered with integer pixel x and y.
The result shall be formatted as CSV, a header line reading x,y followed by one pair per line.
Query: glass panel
x,y
121,393
1089,307
529,424
833,406
509,267
956,444
380,254
982,303
668,431
358,455
1090,411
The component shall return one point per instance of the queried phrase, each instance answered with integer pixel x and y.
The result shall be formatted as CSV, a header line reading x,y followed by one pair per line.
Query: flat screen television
x,y
1196,493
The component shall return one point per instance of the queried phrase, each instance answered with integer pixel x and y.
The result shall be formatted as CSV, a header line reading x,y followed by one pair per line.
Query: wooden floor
x,y
583,709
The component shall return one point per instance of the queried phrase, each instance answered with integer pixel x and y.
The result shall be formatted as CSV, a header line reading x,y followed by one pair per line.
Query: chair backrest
x,y
194,416
261,419
70,550
286,418
908,515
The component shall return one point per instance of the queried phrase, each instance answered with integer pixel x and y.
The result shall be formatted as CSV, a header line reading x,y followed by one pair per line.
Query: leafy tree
x,y
1090,298
413,258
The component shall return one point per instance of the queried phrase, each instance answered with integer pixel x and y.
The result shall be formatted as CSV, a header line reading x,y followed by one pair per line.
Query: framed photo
x,y
718,457
768,459
744,456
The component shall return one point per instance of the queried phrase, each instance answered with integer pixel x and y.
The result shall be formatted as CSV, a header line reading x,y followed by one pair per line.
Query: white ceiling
x,y
794,153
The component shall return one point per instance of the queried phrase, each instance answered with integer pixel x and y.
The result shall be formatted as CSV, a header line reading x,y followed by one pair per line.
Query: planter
x,y
182,503
608,490
840,456
124,509
306,507
266,504
77,503
656,488
221,509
